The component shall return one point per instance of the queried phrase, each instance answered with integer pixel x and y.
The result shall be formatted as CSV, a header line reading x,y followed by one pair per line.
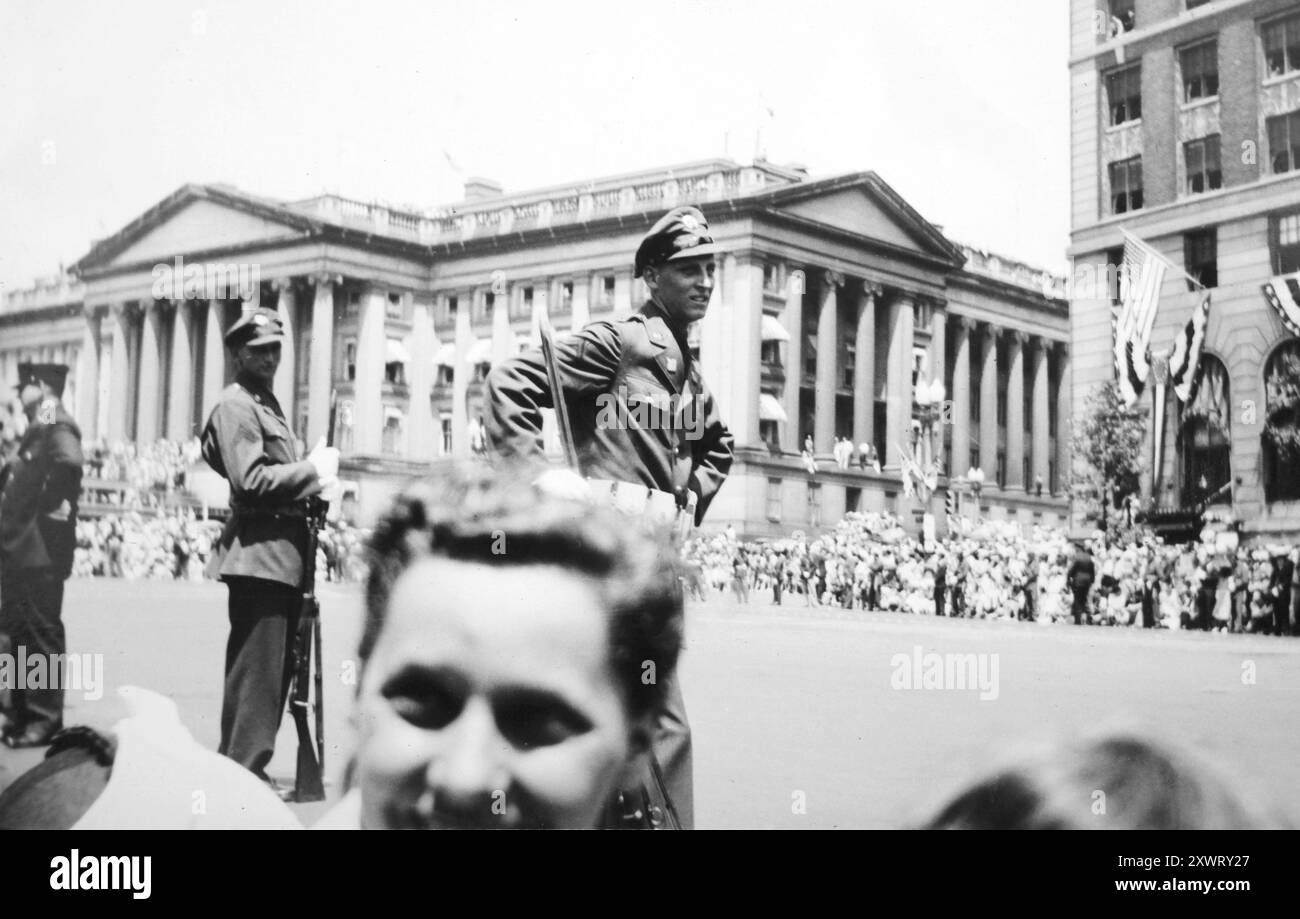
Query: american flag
x,y
1142,276
1185,355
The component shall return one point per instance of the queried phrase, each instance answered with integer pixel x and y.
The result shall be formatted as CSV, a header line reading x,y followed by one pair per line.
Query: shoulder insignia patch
x,y
46,413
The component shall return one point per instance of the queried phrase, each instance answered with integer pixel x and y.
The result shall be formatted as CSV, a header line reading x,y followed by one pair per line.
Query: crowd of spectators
x,y
998,571
136,477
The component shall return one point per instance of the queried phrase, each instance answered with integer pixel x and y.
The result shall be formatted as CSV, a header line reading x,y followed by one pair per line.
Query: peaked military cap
x,y
54,375
256,328
681,233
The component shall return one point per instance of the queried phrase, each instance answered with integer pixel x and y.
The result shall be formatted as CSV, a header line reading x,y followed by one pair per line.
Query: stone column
x,y
1063,395
320,365
214,356
961,398
989,406
422,425
119,418
286,378
149,393
369,392
898,428
792,320
623,304
938,358
503,337
744,347
581,302
1016,410
180,382
1040,439
828,335
87,407
460,380
864,366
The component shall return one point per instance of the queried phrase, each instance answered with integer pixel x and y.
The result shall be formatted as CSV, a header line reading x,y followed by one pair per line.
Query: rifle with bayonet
x,y
309,779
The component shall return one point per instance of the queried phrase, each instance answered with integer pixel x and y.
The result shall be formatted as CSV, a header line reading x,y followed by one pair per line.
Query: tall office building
x,y
1186,133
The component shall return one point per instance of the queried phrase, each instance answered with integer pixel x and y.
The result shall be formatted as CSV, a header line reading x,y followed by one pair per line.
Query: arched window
x,y
1204,436
1280,442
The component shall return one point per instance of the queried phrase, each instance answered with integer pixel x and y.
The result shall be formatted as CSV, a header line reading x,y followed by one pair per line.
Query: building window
x,y
771,278
393,424
1284,142
1204,438
1114,271
850,361
393,309
774,500
767,432
770,353
526,301
1201,256
350,359
1123,18
566,297
1203,169
1286,243
445,422
607,290
489,302
1126,185
453,304
1282,46
810,356
814,504
852,500
1200,65
446,375
1124,94
1281,424
1002,468
480,311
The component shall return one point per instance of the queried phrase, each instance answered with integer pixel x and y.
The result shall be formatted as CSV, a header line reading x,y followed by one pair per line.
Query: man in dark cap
x,y
248,441
39,489
645,426
1083,571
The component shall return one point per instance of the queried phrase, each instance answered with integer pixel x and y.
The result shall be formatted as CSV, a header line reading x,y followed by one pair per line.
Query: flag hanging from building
x,y
950,512
1144,273
1185,355
1284,294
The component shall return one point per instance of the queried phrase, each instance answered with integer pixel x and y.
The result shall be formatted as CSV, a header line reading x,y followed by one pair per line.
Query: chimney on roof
x,y
478,189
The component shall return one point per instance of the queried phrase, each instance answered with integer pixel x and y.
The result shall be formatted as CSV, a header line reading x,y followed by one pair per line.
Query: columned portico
x,y
1016,410
149,390
87,406
320,365
1063,397
989,405
120,380
1038,396
898,393
961,404
864,365
828,336
792,321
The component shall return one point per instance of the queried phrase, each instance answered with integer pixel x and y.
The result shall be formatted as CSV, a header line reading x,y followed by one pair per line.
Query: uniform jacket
x,y
43,472
639,409
249,443
1083,571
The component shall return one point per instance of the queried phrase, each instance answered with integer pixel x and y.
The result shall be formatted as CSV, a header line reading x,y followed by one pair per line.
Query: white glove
x,y
325,459
331,489
563,483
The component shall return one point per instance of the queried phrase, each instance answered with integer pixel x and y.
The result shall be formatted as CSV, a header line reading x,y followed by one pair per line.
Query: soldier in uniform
x,y
39,488
644,423
260,554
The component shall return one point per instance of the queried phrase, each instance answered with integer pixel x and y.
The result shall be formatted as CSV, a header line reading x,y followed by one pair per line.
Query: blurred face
x,y
489,702
30,395
683,288
259,362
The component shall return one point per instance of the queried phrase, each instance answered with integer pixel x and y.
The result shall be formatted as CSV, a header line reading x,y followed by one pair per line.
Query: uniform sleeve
x,y
250,471
712,455
63,481
518,389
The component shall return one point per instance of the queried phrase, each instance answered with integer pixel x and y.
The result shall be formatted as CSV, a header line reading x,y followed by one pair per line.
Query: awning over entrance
x,y
773,330
769,409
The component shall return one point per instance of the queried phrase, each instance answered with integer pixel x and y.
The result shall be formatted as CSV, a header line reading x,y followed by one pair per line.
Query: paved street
x,y
789,705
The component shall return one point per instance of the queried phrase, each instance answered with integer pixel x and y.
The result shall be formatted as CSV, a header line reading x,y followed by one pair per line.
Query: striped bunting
x,y
1185,355
1284,294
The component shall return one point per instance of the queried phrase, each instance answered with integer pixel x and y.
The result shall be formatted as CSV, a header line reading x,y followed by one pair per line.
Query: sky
x,y
106,108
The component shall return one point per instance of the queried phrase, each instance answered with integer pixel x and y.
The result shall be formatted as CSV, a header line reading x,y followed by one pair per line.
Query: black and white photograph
x,y
702,414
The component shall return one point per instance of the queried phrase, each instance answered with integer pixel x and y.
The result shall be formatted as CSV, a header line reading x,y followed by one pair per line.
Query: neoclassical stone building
x,y
835,301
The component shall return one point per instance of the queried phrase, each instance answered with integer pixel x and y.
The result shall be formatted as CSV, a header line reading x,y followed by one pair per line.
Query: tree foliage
x,y
1107,457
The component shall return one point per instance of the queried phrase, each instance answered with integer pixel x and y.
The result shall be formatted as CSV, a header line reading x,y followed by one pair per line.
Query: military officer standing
x,y
645,427
39,490
248,441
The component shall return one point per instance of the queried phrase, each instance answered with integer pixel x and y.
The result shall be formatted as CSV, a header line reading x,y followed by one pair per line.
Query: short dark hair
x,y
1149,785
464,510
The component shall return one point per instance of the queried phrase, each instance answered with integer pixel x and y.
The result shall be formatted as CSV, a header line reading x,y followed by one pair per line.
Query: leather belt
x,y
275,511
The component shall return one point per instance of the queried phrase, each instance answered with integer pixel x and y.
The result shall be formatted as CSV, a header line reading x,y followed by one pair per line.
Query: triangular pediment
x,y
196,219
202,225
862,204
